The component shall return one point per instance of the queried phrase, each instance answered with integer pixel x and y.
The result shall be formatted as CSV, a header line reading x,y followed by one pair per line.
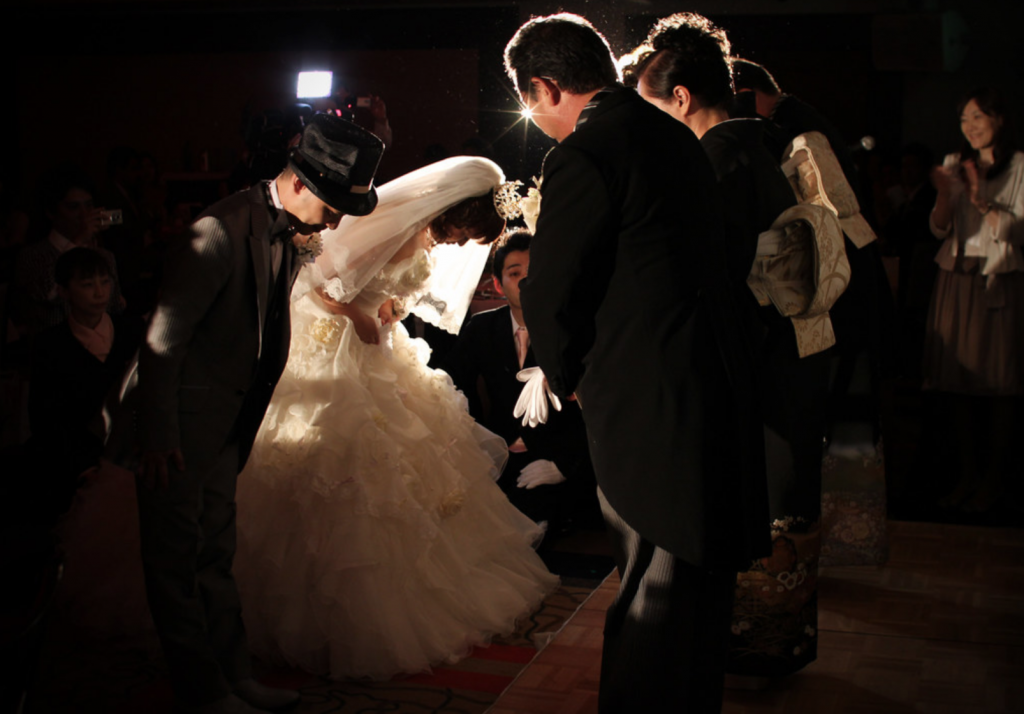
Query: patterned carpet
x,y
82,676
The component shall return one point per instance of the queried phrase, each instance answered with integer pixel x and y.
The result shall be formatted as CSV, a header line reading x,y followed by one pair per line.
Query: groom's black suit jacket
x,y
630,307
218,339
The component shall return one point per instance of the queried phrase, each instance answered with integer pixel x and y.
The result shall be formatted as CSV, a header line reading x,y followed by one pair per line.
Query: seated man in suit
x,y
549,476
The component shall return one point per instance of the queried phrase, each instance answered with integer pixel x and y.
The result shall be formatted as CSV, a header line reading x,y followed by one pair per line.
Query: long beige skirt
x,y
975,338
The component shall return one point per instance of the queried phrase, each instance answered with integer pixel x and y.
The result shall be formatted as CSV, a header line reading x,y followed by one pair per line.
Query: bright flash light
x,y
526,113
314,84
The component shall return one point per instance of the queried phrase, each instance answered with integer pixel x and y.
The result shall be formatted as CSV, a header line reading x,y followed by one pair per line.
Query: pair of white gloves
x,y
532,406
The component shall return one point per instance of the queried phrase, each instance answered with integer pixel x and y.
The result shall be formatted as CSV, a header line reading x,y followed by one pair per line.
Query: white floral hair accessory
x,y
507,200
530,206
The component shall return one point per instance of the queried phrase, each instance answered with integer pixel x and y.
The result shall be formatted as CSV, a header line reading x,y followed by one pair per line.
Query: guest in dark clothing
x,y
66,195
683,69
858,313
863,314
548,476
755,85
908,235
74,366
907,228
853,478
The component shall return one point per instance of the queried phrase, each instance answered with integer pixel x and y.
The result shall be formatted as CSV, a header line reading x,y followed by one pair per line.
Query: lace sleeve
x,y
335,289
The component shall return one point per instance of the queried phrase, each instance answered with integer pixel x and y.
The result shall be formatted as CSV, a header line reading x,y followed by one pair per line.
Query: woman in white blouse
x,y
974,349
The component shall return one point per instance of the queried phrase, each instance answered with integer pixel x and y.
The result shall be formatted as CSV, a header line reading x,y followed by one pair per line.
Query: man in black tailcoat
x,y
215,348
630,309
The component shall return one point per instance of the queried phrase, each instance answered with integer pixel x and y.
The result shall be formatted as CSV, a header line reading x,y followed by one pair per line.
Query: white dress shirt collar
x,y
275,196
515,324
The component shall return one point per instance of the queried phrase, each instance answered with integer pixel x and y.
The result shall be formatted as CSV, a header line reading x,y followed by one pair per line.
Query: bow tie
x,y
282,229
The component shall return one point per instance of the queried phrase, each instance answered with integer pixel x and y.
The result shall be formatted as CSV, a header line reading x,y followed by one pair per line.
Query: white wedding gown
x,y
372,539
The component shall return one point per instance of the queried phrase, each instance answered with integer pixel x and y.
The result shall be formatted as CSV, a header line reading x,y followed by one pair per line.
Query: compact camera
x,y
111,218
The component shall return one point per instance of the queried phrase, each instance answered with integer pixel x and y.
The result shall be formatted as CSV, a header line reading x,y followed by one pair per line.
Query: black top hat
x,y
337,159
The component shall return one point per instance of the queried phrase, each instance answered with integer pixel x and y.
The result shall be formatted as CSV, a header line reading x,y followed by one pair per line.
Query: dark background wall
x,y
176,78
178,81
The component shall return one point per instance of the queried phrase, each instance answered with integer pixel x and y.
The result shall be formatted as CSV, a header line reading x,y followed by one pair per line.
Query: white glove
x,y
539,473
532,405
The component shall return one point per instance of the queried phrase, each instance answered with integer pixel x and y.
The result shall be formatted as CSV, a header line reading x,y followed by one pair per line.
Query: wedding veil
x,y
361,245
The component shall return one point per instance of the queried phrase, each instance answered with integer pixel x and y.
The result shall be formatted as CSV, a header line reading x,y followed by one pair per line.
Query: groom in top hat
x,y
215,348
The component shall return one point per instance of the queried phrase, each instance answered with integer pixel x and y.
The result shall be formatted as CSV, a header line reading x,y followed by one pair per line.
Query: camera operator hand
x,y
89,223
379,112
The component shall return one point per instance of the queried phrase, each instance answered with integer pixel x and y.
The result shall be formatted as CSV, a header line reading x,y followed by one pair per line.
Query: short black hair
x,y
80,263
564,48
56,183
516,239
688,50
751,75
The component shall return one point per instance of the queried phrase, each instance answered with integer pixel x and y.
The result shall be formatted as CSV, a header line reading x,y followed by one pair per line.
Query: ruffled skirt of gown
x,y
372,538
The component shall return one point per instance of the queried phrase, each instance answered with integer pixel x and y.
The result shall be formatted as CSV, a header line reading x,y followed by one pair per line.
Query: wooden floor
x,y
939,629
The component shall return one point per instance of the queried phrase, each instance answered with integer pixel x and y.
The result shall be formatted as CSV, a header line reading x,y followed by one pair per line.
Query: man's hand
x,y
88,227
539,473
153,467
378,109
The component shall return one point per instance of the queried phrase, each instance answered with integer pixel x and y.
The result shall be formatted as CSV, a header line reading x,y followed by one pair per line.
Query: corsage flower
x,y
311,249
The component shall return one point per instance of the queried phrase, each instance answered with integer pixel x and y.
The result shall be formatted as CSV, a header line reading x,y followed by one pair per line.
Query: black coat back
x,y
630,307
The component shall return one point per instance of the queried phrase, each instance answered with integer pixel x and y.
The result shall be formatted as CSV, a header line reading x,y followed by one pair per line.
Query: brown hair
x,y
476,215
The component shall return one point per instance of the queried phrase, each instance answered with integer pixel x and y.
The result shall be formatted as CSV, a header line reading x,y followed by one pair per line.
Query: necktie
x,y
522,344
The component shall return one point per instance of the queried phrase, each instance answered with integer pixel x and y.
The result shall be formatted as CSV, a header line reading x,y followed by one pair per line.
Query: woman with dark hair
x,y
974,348
372,537
684,69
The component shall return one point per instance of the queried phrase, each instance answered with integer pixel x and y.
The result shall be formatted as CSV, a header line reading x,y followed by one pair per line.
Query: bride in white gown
x,y
372,538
